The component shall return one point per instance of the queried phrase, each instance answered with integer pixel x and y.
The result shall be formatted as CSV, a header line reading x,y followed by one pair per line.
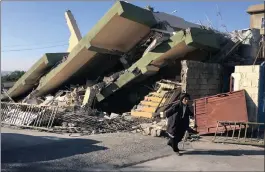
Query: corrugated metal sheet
x,y
222,107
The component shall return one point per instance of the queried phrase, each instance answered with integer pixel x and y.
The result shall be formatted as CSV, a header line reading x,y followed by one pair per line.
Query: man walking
x,y
178,121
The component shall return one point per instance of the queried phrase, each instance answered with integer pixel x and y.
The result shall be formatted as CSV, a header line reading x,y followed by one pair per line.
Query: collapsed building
x,y
114,67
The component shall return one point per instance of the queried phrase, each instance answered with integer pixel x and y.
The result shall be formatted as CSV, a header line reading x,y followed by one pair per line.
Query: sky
x,y
31,29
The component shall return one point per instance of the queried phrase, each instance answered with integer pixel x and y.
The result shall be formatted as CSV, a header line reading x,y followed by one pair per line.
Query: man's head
x,y
184,98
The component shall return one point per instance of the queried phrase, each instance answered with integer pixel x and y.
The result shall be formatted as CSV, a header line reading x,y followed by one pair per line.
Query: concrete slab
x,y
120,29
176,47
31,77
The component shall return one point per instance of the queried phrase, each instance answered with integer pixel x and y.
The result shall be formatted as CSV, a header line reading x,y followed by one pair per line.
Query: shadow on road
x,y
44,149
234,152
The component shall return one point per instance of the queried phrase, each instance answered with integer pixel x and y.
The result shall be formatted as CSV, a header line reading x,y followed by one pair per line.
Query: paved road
x,y
24,150
206,160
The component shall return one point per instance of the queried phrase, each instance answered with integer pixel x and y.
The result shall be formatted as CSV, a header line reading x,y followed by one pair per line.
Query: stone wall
x,y
247,77
201,79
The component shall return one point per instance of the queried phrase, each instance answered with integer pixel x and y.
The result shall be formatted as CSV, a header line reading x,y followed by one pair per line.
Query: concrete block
x,y
213,91
203,87
205,71
192,86
158,133
202,81
145,125
147,131
246,83
153,132
256,69
213,86
191,81
254,82
252,76
237,69
213,81
251,90
246,69
202,75
196,75
190,73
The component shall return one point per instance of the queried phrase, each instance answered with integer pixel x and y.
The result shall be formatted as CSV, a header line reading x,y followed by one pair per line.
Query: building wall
x,y
201,79
255,20
247,77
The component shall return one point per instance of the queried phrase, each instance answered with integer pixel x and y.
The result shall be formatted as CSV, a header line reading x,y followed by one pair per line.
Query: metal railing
x,y
247,133
27,115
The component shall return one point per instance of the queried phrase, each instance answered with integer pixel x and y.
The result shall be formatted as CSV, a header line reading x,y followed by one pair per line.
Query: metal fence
x,y
247,133
26,115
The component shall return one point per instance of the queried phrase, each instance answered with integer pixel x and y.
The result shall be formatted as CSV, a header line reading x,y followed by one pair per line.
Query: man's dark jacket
x,y
176,121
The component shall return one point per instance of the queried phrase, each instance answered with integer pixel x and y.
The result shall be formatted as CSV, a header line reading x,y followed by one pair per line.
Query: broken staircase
x,y
149,105
156,101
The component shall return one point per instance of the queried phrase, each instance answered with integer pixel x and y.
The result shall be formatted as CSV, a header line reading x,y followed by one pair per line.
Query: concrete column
x,y
75,36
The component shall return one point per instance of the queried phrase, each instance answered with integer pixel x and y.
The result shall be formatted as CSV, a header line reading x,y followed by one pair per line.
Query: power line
x,y
28,49
35,44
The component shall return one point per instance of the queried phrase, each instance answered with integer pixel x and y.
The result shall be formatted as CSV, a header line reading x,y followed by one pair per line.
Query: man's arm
x,y
171,110
190,113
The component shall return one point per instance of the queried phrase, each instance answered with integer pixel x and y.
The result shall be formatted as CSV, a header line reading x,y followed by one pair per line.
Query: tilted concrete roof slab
x,y
65,70
31,77
175,23
120,29
176,47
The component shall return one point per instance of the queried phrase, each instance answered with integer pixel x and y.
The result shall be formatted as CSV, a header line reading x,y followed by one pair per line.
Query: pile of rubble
x,y
88,121
157,128
63,98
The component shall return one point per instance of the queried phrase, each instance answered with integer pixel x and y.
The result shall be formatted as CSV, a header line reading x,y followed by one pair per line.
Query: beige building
x,y
257,13
257,21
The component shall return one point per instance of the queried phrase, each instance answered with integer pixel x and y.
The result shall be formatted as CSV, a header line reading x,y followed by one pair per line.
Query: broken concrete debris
x,y
138,61
88,121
